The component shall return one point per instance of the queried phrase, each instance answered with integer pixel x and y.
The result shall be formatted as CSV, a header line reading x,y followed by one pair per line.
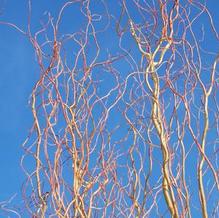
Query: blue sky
x,y
17,77
18,74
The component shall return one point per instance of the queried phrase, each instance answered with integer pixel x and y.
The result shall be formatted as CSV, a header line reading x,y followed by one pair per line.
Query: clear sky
x,y
17,77
18,74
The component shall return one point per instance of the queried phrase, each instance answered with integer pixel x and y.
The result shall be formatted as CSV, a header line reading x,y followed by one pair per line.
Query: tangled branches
x,y
125,112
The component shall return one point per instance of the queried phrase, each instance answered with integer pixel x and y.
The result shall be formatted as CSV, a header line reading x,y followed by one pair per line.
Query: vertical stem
x,y
157,120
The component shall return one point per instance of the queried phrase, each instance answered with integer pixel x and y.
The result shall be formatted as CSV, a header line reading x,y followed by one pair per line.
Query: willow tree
x,y
125,111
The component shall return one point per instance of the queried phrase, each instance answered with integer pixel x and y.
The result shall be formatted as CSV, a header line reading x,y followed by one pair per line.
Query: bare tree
x,y
125,111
